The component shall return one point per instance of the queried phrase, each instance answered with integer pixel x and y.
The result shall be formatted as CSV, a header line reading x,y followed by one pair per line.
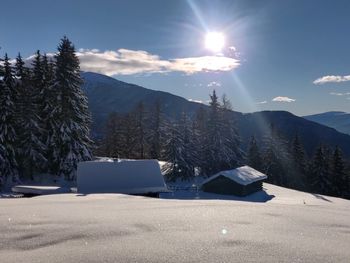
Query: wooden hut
x,y
241,181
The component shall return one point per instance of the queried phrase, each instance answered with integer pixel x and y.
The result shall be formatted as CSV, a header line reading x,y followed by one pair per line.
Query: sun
x,y
215,41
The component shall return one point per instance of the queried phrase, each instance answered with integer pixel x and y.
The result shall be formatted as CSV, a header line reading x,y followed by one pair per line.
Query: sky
x,y
289,55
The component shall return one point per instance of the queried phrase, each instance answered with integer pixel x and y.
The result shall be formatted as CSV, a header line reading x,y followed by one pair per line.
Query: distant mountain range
x,y
336,119
107,94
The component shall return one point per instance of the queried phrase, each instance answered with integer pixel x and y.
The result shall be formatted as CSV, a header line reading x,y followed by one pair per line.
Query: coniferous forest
x,y
44,129
208,142
44,117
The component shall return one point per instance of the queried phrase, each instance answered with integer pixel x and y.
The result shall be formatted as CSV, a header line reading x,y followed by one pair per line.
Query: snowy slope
x,y
291,227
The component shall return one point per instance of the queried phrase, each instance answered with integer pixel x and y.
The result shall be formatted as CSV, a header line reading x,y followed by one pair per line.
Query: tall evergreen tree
x,y
8,163
254,156
298,169
155,133
320,173
222,144
275,157
140,118
31,149
199,138
340,179
179,154
72,118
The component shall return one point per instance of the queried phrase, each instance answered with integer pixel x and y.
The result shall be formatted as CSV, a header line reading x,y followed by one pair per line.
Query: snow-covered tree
x,y
222,150
179,151
70,132
30,147
8,163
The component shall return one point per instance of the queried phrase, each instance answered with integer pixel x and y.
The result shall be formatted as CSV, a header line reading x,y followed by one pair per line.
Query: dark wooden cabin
x,y
240,182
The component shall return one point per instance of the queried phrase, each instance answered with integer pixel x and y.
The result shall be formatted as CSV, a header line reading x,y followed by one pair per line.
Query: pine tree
x,y
199,138
31,149
155,133
140,129
8,163
49,107
222,150
71,141
114,144
275,157
179,154
254,156
320,173
340,179
298,169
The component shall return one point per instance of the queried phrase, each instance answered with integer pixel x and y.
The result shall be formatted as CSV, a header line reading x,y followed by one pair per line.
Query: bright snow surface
x,y
291,227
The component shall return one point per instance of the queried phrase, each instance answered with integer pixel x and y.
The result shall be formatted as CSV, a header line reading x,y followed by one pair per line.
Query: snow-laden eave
x,y
243,175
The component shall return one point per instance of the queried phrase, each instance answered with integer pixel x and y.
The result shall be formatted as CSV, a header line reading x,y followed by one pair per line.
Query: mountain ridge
x,y
338,120
106,94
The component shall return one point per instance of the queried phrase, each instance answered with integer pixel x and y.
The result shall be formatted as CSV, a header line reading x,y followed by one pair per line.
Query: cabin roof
x,y
242,175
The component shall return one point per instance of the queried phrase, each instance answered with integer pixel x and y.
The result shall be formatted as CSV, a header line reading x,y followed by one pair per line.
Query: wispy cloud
x,y
128,62
339,93
283,99
331,79
198,101
214,84
262,102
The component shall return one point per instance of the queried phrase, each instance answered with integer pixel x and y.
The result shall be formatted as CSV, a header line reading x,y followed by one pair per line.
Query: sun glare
x,y
214,41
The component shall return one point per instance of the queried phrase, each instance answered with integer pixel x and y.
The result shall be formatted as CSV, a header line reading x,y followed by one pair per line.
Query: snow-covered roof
x,y
39,190
242,175
126,177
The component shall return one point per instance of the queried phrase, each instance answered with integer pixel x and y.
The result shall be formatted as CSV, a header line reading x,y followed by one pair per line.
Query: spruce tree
x,y
339,177
8,163
222,150
71,141
31,149
178,153
254,156
140,118
155,133
199,138
298,167
320,173
275,157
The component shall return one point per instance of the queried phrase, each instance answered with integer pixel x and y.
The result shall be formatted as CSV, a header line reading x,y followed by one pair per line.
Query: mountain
x,y
336,119
107,94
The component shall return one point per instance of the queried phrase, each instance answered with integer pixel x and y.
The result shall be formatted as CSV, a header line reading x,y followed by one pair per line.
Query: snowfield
x,y
291,227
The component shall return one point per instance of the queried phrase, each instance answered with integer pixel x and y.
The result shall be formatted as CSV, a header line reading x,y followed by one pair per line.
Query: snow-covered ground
x,y
291,226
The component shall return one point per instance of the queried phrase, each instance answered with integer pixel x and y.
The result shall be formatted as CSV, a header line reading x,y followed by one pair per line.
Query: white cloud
x,y
198,101
331,79
283,99
128,62
262,102
214,84
339,93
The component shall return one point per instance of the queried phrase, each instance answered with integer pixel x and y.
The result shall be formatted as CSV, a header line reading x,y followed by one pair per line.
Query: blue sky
x,y
279,55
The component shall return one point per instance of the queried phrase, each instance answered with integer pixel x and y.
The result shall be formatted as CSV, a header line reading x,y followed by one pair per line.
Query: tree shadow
x,y
318,196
